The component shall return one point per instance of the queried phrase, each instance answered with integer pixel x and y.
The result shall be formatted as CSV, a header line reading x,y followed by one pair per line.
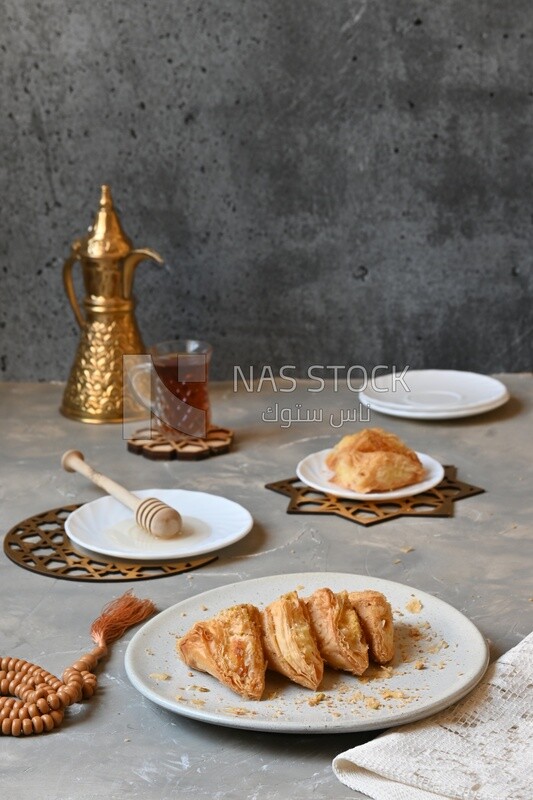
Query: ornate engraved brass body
x,y
94,389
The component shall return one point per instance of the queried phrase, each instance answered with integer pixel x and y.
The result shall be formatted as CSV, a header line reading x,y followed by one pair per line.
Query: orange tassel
x,y
118,616
43,698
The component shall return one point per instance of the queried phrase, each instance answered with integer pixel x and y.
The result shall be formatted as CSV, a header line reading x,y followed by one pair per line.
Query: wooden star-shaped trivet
x,y
153,444
436,502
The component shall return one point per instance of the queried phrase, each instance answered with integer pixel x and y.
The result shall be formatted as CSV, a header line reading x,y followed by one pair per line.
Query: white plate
x,y
209,522
312,470
452,650
432,392
406,413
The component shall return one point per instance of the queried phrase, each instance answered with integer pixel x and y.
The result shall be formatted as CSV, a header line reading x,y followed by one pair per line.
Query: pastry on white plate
x,y
289,643
374,460
375,616
337,629
228,647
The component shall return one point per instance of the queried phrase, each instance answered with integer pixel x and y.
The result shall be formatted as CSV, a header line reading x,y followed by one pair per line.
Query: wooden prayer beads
x,y
42,697
34,701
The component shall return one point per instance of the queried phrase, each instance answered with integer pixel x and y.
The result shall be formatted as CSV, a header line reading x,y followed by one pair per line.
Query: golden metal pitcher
x,y
94,391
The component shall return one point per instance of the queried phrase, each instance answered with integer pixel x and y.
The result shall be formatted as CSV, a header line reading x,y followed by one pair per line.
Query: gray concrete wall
x,y
329,181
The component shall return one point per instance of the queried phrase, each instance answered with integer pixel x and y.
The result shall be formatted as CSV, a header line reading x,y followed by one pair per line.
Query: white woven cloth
x,y
479,749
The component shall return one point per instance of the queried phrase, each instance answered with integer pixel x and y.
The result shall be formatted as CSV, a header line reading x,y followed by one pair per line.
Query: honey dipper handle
x,y
73,461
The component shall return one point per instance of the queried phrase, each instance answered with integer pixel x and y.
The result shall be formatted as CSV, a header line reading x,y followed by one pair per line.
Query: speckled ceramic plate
x,y
440,657
209,523
313,471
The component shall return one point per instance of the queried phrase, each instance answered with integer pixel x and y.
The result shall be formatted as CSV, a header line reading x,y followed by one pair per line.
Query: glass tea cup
x,y
172,381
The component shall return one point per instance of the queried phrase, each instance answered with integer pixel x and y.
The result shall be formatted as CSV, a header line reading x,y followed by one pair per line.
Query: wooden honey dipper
x,y
151,514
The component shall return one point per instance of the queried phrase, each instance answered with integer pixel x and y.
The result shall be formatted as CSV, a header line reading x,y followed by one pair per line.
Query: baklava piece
x,y
336,627
375,616
288,641
229,648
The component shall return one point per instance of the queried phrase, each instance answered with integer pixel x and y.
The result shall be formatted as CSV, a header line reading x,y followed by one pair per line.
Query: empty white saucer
x,y
434,394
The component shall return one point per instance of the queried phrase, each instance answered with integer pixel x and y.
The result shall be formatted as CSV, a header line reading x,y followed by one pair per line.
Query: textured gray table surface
x,y
120,745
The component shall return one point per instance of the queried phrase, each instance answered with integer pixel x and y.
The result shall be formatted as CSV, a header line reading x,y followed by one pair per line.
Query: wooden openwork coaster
x,y
153,444
436,502
40,544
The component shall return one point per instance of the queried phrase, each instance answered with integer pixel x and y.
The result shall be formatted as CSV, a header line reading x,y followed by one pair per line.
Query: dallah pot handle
x,y
69,289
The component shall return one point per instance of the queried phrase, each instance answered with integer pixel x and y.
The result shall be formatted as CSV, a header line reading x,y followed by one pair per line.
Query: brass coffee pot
x,y
94,391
